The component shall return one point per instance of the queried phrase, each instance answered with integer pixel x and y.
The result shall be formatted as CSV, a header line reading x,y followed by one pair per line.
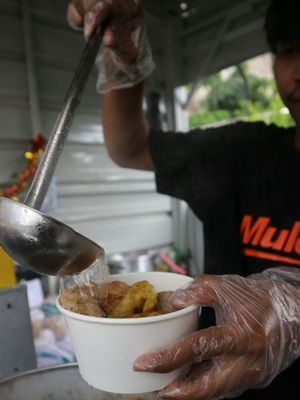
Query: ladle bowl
x,y
42,243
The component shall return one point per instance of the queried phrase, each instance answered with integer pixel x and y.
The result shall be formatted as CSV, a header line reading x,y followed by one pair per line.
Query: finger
x,y
196,385
80,6
215,379
200,291
94,16
108,37
208,381
202,345
75,19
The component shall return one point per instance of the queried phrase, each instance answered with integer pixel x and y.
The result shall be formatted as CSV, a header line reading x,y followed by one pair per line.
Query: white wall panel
x,y
85,129
123,234
15,124
11,155
13,79
97,206
116,207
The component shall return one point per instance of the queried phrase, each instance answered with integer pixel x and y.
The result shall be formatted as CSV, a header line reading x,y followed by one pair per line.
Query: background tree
x,y
242,95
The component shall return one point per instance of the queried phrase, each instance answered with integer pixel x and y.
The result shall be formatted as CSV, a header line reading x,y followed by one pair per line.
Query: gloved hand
x,y
125,57
257,335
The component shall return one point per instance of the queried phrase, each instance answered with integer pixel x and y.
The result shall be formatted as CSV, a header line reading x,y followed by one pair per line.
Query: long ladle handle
x,y
45,171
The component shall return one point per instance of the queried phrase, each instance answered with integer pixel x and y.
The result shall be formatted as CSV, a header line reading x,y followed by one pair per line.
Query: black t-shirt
x,y
243,182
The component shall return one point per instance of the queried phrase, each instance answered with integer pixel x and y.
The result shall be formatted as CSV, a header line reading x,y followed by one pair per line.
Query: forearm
x,y
125,128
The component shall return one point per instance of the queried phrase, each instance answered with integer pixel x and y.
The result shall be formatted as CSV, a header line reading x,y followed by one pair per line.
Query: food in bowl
x,y
106,348
117,299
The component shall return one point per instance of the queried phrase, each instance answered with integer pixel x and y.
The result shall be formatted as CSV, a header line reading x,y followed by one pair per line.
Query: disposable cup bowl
x,y
106,348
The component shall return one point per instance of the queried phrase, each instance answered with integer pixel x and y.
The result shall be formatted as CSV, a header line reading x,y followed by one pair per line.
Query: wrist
x,y
285,296
289,275
282,286
116,73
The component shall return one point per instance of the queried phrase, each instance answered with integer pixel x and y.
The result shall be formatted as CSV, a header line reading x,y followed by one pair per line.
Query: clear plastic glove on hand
x,y
125,57
257,335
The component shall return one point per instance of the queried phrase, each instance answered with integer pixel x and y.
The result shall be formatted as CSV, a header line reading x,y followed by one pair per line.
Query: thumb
x,y
75,16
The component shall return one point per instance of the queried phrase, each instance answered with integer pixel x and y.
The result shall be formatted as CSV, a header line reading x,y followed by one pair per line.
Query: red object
x,y
175,267
24,178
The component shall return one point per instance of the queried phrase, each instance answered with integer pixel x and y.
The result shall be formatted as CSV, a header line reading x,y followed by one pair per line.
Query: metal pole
x,y
31,69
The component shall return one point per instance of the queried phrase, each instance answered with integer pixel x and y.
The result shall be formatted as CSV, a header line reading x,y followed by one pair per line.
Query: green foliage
x,y
243,96
208,117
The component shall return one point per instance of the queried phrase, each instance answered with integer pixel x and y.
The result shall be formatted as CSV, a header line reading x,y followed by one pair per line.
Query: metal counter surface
x,y
61,382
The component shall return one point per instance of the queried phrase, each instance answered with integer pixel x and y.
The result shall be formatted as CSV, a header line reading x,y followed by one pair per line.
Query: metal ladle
x,y
38,241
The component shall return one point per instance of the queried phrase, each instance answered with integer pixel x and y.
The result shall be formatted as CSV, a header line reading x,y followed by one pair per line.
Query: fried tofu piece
x,y
111,294
164,304
91,309
79,300
140,297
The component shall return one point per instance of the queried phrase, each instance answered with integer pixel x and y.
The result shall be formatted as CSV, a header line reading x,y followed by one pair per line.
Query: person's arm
x,y
124,61
125,128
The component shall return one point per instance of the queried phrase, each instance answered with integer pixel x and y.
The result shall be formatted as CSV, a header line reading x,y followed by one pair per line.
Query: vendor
x,y
242,181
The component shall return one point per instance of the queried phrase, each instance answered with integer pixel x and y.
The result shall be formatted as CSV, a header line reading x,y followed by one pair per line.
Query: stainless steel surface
x,y
132,262
17,352
33,239
57,383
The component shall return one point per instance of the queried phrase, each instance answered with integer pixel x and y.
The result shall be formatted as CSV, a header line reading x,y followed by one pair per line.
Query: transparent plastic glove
x,y
256,337
125,57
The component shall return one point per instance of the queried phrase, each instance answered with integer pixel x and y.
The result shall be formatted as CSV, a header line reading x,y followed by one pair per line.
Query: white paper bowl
x,y
106,348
